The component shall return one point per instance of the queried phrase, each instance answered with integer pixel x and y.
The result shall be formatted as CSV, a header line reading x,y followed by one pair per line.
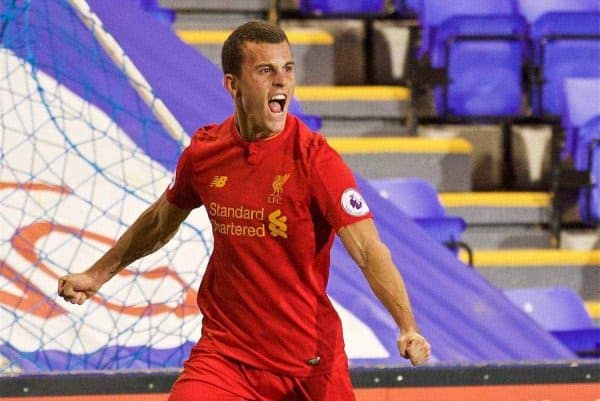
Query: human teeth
x,y
278,97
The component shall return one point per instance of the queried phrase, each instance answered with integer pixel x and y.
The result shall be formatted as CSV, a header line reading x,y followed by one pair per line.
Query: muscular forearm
x,y
388,285
147,234
361,239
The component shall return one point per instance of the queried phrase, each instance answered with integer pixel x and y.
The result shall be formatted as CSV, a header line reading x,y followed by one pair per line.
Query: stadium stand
x,y
561,311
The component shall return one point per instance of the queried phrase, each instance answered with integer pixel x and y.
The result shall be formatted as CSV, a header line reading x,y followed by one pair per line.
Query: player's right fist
x,y
77,288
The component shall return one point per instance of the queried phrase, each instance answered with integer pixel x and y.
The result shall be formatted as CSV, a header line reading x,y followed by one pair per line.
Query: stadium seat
x,y
328,7
482,57
565,44
164,15
581,122
480,46
409,7
562,312
420,201
434,12
587,158
533,9
581,103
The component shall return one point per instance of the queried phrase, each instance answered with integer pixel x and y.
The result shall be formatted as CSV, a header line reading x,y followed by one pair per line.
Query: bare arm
x,y
152,229
362,242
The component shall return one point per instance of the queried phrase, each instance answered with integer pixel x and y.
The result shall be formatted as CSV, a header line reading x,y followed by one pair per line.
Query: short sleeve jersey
x,y
274,206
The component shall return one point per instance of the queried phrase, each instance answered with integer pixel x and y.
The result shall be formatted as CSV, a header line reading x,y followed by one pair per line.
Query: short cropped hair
x,y
253,31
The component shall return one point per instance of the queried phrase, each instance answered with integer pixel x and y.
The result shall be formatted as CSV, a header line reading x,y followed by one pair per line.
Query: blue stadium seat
x,y
480,45
533,9
420,201
164,15
562,312
483,61
581,103
409,7
434,12
566,44
327,7
587,158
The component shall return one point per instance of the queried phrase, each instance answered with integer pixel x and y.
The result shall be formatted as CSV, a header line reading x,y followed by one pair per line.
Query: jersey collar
x,y
254,150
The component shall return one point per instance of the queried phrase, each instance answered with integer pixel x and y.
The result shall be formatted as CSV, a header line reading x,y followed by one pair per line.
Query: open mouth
x,y
277,103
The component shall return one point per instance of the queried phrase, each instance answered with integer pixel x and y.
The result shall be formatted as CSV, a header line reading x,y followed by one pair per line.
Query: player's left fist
x,y
415,347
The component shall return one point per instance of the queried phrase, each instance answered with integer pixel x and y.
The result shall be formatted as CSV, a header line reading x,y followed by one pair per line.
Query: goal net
x,y
81,156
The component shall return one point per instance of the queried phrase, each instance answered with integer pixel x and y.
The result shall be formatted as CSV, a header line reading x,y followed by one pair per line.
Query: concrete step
x,y
355,102
443,162
520,268
360,111
506,236
214,19
377,55
306,44
530,154
580,239
530,208
363,127
216,5
215,14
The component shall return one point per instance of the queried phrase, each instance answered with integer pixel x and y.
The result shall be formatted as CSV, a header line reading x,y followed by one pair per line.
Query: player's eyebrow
x,y
271,65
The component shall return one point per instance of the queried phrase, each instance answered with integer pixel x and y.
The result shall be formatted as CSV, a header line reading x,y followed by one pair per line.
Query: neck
x,y
246,130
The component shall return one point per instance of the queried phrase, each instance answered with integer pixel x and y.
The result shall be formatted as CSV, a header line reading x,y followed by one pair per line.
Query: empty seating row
x,y
486,55
487,47
484,48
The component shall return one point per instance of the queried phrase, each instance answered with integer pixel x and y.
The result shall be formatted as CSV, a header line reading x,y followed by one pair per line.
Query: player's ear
x,y
231,84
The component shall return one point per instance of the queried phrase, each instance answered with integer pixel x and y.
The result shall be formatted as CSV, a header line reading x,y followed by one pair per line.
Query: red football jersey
x,y
274,205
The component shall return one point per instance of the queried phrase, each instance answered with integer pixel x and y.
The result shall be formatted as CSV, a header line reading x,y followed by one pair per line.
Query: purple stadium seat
x,y
533,9
420,201
562,312
327,7
164,15
566,44
581,103
483,57
434,12
480,45
409,7
437,11
587,158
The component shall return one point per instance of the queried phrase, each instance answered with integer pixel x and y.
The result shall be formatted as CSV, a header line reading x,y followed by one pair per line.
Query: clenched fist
x,y
415,347
77,288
